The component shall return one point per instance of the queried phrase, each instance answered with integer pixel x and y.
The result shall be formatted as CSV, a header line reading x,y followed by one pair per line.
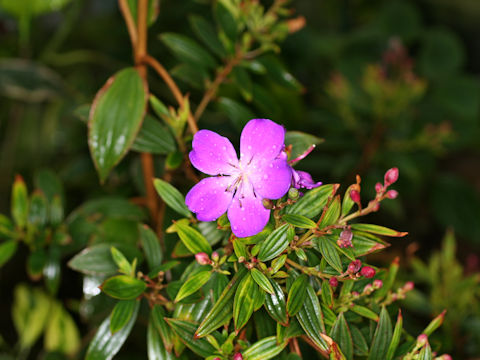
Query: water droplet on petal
x,y
244,219
265,176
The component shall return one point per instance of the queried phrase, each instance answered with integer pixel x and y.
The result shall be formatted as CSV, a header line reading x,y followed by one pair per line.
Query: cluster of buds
x,y
401,292
355,267
391,177
369,288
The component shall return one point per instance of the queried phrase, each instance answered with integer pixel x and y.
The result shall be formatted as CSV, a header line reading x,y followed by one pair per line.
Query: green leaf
x,y
313,202
51,269
382,337
378,230
193,284
49,183
389,280
275,304
123,287
121,314
155,347
61,333
332,214
297,295
30,312
106,345
244,301
425,353
36,262
221,312
192,239
19,202
239,248
188,50
154,138
360,346
115,118
310,317
397,333
7,250
243,82
186,331
329,253
37,211
262,280
172,197
341,334
299,221
237,113
205,32
121,261
347,202
151,246
7,230
226,18
300,142
196,77
365,243
274,244
365,312
152,10
264,349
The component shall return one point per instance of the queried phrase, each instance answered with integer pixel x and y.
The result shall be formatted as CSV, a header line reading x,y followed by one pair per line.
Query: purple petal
x,y
213,154
209,198
272,180
302,179
261,140
247,215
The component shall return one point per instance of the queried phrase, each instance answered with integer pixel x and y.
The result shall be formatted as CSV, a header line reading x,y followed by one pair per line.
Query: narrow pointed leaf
x,y
123,287
300,142
121,314
378,230
106,345
193,284
341,334
425,353
360,346
275,304
347,202
186,331
244,301
115,118
310,318
365,312
7,250
313,202
332,214
264,349
329,252
188,50
154,138
155,347
172,197
397,333
37,211
262,280
19,202
192,239
382,337
207,34
297,294
151,246
299,221
274,244
121,261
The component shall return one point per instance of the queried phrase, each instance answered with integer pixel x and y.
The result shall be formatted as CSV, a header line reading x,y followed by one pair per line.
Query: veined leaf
x,y
299,221
275,304
121,314
332,214
151,246
207,34
61,333
115,118
188,50
186,331
172,197
382,337
7,250
313,202
19,202
365,312
341,334
244,301
192,239
264,349
155,347
378,230
106,345
297,294
274,244
262,280
397,333
193,284
123,287
154,138
329,253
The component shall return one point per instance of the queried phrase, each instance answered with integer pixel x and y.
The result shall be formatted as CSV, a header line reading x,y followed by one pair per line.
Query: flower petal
x,y
213,154
209,198
247,215
272,180
261,141
302,179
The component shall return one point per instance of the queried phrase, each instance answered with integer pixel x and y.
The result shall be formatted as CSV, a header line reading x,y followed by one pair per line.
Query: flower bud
x,y
241,259
355,196
354,266
333,282
237,356
345,239
377,284
392,194
293,193
376,206
391,176
409,285
368,272
368,289
202,258
422,339
215,256
355,294
267,203
444,357
378,187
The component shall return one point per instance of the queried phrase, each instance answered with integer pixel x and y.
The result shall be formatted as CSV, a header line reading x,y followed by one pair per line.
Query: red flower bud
x,y
237,356
354,266
409,285
392,194
378,187
215,256
368,272
422,339
333,282
355,196
377,284
391,176
202,258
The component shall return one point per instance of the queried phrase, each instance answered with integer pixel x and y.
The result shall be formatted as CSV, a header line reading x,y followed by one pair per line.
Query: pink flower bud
x,y
391,176
377,284
345,239
409,285
333,282
215,256
422,339
355,294
202,258
376,207
237,356
368,272
354,266
368,289
378,187
355,196
392,194
445,357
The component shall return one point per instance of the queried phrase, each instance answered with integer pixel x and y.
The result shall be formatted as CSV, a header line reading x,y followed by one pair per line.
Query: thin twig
x,y
163,73
127,16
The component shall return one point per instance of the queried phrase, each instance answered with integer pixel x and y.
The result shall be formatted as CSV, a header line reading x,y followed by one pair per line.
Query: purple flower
x,y
239,186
